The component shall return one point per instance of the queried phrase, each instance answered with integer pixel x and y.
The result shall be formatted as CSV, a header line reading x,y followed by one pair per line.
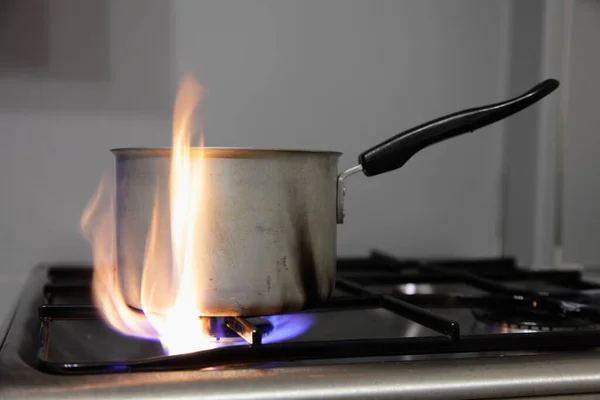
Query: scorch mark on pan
x,y
263,229
282,263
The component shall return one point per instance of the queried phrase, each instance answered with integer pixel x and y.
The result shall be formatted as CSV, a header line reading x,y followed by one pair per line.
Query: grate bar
x,y
351,287
59,311
245,329
426,318
70,273
407,310
55,289
466,277
564,278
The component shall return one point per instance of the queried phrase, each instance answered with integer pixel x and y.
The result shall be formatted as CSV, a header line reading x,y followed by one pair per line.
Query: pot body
x,y
268,222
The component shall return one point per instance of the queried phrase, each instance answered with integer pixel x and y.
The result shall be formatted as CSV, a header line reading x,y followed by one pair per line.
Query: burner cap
x,y
527,319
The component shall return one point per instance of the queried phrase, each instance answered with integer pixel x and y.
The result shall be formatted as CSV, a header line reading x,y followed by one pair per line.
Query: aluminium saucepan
x,y
269,241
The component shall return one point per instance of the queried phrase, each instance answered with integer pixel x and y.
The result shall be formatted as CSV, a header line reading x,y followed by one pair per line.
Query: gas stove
x,y
394,328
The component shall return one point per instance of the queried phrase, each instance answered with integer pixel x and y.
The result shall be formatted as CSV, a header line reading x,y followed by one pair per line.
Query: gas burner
x,y
235,329
257,330
527,320
254,330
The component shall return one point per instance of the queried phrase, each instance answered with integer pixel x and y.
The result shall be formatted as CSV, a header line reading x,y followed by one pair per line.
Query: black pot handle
x,y
396,151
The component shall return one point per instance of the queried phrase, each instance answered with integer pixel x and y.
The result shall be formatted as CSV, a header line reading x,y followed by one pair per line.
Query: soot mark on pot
x,y
282,263
269,283
304,251
308,267
263,229
242,309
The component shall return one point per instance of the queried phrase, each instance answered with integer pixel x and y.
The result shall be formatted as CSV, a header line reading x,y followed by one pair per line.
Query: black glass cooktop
x,y
382,307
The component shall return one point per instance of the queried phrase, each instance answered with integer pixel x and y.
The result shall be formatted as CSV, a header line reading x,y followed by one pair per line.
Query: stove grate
x,y
355,275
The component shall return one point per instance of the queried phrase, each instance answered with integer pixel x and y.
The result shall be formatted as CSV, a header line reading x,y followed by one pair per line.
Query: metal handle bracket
x,y
341,190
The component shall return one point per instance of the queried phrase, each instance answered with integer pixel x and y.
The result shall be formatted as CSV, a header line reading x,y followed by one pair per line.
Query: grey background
x,y
335,74
347,74
581,181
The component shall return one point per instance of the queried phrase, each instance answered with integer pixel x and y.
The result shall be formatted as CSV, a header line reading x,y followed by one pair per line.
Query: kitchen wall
x,y
60,114
347,74
336,74
580,192
538,50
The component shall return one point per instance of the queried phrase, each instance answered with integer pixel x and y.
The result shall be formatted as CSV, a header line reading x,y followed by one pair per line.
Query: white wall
x,y
581,185
59,119
538,51
334,74
344,75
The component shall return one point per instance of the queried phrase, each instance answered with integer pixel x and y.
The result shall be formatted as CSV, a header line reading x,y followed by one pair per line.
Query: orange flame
x,y
170,269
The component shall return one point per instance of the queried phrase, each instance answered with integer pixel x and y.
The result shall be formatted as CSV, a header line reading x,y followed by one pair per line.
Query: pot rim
x,y
228,152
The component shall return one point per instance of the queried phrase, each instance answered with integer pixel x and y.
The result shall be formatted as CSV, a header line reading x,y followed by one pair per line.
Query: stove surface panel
x,y
394,328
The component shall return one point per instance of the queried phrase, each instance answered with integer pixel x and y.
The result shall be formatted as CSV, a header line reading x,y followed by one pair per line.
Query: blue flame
x,y
287,327
118,367
283,327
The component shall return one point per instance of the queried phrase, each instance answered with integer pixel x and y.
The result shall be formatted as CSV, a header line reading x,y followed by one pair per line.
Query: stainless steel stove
x,y
418,329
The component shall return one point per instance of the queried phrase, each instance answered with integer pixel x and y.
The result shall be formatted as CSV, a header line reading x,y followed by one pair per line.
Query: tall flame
x,y
175,250
172,296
